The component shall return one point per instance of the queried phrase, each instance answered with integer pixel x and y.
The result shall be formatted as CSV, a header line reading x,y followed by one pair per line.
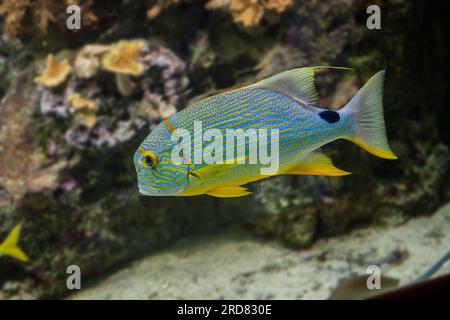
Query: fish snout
x,y
149,190
153,191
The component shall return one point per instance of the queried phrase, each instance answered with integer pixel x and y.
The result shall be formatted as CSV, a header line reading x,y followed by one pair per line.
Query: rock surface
x,y
238,266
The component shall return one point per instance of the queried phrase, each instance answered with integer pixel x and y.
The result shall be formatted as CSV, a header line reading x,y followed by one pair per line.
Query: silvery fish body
x,y
283,105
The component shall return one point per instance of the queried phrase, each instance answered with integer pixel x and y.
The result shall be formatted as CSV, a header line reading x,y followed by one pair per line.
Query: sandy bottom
x,y
238,266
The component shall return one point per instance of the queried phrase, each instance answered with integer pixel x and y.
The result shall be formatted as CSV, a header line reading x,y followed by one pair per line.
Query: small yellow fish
x,y
9,246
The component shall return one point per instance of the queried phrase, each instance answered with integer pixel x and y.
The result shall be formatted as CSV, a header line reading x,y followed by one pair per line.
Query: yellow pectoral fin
x,y
216,170
317,164
229,192
208,171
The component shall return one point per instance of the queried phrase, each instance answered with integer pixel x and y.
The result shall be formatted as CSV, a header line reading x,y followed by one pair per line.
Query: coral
x,y
217,4
81,137
154,105
123,132
277,5
87,61
14,10
156,9
166,73
85,109
78,136
51,103
54,73
91,120
249,12
45,11
123,58
246,12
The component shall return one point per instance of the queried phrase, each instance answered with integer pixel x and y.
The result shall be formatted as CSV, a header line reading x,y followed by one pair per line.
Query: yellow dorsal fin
x,y
296,83
229,192
9,246
317,164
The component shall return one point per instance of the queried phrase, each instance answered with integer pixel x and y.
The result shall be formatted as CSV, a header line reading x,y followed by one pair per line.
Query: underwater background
x,y
67,139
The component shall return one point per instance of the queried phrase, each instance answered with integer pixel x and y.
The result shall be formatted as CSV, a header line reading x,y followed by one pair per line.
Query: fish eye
x,y
150,160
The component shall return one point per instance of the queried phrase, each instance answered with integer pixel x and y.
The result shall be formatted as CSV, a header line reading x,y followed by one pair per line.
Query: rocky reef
x,y
76,105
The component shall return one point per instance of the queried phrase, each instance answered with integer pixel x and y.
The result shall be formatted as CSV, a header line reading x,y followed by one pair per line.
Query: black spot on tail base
x,y
330,116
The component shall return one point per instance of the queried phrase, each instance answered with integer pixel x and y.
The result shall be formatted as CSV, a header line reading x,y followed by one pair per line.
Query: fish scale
x,y
282,113
284,102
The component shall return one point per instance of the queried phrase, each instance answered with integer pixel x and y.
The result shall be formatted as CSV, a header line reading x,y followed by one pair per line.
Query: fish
x,y
355,287
286,105
9,246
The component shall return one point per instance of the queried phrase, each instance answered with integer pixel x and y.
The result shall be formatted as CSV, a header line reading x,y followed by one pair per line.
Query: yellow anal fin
x,y
229,192
9,246
317,164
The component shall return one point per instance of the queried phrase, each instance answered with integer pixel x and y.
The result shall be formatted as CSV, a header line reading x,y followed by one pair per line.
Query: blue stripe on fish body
x,y
301,129
283,102
280,112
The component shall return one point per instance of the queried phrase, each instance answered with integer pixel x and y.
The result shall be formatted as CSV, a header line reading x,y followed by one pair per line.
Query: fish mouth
x,y
155,192
149,191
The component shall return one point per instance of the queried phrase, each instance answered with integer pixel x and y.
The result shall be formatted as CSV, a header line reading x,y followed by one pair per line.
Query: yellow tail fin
x,y
367,108
9,246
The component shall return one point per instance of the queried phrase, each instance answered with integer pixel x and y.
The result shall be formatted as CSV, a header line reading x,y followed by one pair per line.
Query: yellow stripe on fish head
x,y
157,173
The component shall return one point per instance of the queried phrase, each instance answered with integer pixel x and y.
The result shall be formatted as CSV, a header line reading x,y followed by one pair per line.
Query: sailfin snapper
x,y
9,246
286,102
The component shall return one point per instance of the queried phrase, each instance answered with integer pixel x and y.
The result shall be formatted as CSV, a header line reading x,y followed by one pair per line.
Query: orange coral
x,y
122,57
14,10
249,12
154,11
217,4
277,5
85,109
86,9
87,61
45,11
55,72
